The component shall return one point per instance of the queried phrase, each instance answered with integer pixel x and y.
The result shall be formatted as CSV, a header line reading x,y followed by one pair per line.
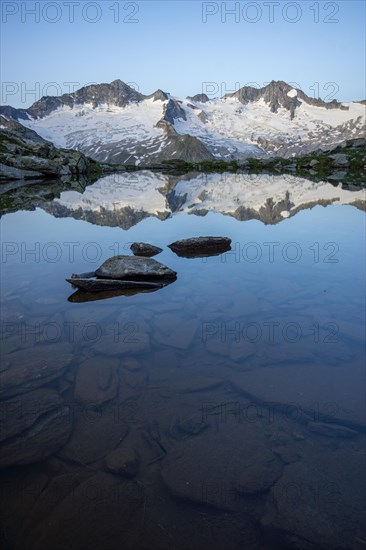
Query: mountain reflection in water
x,y
124,199
227,409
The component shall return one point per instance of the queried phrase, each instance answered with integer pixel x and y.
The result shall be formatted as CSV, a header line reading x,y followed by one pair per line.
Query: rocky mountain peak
x,y
166,126
200,98
117,93
279,94
159,95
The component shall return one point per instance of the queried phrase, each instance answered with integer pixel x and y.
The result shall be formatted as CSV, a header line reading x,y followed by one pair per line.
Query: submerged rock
x,y
97,430
123,462
34,426
101,512
319,501
30,369
134,268
331,430
198,247
187,427
219,468
328,394
145,249
96,380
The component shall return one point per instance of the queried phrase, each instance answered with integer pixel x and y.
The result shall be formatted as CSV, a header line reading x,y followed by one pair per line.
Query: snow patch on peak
x,y
292,93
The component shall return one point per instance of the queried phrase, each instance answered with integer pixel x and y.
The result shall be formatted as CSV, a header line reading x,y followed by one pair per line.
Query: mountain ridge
x,y
116,123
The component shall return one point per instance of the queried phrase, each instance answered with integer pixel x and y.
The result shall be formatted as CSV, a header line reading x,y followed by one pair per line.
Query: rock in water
x,y
100,285
219,468
34,426
82,296
199,247
319,501
101,512
145,249
29,370
134,268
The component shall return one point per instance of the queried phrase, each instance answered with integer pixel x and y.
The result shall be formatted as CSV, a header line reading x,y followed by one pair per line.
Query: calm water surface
x,y
224,411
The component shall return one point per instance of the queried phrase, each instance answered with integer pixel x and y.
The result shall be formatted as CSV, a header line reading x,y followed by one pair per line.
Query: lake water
x,y
223,411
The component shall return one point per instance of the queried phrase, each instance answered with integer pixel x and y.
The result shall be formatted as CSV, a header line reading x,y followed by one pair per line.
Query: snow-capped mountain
x,y
115,123
123,200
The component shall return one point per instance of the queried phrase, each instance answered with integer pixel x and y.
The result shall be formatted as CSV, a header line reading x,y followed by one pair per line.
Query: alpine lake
x,y
223,411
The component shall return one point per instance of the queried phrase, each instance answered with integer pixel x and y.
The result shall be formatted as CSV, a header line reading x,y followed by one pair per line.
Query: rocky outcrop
x,y
200,98
116,93
280,94
159,95
172,111
24,154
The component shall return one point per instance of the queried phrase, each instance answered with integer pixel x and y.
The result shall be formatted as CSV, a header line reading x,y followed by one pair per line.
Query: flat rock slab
x,y
217,469
97,431
123,462
96,380
332,393
134,268
118,345
320,501
181,336
199,247
35,367
42,436
20,413
100,285
145,249
101,513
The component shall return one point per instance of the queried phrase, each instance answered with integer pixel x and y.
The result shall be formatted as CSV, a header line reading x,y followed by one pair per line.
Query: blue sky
x,y
48,48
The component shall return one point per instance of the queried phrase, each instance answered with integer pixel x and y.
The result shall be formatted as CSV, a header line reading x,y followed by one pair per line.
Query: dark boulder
x,y
198,247
134,268
145,249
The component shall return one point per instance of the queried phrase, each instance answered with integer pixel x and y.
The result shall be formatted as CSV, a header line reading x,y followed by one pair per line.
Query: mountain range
x,y
114,123
123,200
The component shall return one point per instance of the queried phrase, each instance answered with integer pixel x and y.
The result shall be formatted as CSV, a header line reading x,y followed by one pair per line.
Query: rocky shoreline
x,y
344,163
26,155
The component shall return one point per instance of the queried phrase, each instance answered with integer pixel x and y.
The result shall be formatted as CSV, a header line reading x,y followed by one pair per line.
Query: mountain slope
x,y
25,154
115,123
